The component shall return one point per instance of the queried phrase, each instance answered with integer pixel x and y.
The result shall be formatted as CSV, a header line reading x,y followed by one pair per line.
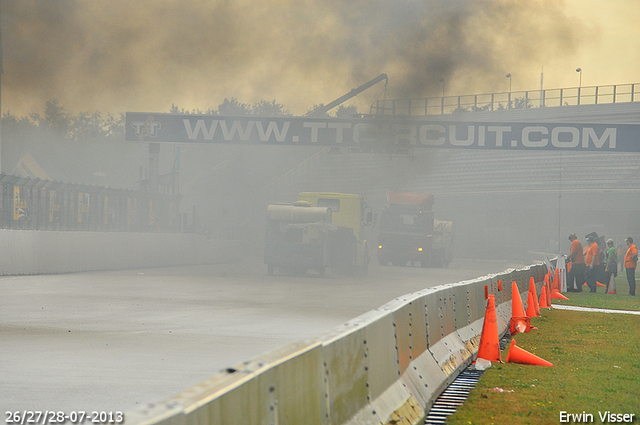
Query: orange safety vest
x,y
576,256
592,255
628,262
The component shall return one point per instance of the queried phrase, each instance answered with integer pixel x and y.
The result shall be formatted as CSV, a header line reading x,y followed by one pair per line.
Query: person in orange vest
x,y
575,277
592,261
630,264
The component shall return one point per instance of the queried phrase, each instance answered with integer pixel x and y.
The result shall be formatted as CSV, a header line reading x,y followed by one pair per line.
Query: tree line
x,y
94,126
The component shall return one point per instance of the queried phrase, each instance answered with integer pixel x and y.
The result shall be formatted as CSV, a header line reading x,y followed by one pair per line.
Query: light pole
x,y
579,71
509,77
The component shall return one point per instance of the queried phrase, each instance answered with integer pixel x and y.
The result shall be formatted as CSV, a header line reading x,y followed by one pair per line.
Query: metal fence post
x,y
561,90
579,95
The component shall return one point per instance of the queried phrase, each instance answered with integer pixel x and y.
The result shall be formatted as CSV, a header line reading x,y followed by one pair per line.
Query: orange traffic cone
x,y
518,355
543,298
534,293
517,310
520,325
489,339
531,308
558,296
499,285
556,281
600,284
612,285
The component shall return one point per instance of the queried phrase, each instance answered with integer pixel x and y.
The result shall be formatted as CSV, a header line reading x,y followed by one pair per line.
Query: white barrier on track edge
x,y
389,363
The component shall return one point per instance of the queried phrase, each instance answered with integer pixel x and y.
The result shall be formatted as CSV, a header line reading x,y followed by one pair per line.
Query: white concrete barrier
x,y
386,366
34,252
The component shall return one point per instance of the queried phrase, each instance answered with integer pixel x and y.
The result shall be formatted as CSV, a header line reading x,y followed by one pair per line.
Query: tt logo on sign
x,y
148,128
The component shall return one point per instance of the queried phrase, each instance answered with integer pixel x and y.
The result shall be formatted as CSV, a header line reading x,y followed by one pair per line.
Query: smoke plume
x,y
121,56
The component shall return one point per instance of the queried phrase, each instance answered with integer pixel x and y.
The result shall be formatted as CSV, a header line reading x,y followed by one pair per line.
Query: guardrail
x,y
35,204
590,95
387,364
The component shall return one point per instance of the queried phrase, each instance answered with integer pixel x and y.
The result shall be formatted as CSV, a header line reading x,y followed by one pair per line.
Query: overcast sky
x,y
117,56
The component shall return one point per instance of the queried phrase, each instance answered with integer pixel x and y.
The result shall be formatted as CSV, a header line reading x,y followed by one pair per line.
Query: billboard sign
x,y
391,131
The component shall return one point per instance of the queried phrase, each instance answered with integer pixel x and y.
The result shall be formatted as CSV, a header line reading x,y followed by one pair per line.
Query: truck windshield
x,y
334,204
397,222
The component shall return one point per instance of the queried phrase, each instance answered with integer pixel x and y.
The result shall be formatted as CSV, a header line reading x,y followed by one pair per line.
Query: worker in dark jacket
x,y
575,277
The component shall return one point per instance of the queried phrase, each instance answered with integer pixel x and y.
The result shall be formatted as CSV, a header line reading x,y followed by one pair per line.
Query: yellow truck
x,y
348,246
297,238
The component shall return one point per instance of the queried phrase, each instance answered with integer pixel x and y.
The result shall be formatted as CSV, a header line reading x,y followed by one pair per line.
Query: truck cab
x,y
408,232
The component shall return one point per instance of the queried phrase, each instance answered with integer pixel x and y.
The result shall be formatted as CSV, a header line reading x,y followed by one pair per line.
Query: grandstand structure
x,y
503,201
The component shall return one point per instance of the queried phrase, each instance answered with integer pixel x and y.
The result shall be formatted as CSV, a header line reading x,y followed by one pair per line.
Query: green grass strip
x,y
596,359
619,301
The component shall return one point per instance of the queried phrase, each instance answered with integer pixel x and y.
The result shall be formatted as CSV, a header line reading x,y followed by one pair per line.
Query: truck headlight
x,y
420,249
379,246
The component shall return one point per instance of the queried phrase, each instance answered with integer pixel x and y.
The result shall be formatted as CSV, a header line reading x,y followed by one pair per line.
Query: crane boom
x,y
323,109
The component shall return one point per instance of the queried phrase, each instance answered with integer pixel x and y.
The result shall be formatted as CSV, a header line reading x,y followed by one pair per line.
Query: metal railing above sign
x,y
572,96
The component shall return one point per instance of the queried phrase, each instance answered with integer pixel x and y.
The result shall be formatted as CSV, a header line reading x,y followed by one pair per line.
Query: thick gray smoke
x,y
119,55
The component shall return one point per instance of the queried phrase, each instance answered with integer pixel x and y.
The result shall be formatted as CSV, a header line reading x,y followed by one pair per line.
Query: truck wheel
x,y
438,260
352,266
364,268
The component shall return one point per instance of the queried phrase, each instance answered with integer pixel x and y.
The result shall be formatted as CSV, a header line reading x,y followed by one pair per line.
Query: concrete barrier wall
x,y
34,252
386,366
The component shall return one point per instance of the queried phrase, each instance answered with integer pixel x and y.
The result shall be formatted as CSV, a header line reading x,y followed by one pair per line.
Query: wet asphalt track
x,y
114,341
